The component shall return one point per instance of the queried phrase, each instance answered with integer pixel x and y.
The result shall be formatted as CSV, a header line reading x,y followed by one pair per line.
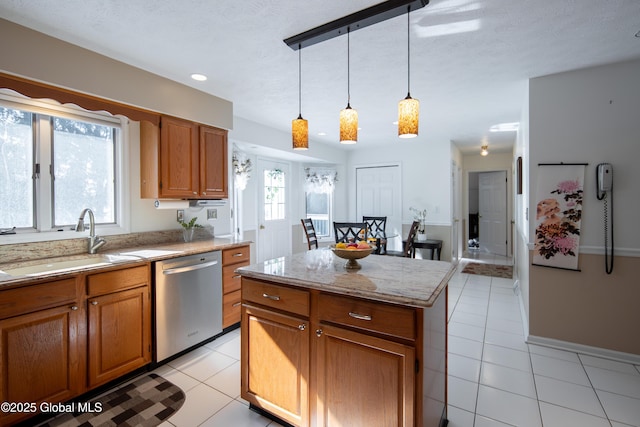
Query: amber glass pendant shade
x,y
348,126
408,115
300,133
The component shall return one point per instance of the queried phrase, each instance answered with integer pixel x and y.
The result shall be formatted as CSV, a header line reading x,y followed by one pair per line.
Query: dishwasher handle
x,y
188,268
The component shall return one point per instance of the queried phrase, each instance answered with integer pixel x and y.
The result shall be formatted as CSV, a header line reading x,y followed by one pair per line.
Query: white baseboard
x,y
584,349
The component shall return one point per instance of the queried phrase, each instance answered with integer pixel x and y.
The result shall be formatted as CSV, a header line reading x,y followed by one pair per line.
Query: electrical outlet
x,y
180,215
212,213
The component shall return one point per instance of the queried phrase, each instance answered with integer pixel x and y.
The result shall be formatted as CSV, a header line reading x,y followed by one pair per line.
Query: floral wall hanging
x,y
558,215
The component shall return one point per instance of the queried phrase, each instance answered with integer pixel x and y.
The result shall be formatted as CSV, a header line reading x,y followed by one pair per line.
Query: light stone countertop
x,y
134,255
406,281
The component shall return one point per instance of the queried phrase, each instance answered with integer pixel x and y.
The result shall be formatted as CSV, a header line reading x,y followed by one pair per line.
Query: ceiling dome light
x,y
198,77
408,108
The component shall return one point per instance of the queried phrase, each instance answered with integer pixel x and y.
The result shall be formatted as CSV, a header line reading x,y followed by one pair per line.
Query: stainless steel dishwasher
x,y
188,302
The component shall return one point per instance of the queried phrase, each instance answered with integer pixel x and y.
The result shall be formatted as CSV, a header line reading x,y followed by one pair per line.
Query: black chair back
x,y
310,232
377,226
350,231
408,247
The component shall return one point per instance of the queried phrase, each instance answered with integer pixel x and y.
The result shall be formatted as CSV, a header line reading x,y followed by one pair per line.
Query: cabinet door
x,y
275,364
41,358
213,163
363,380
119,334
179,158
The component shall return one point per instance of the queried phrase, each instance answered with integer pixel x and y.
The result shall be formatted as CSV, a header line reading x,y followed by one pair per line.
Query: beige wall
x,y
588,307
39,57
589,116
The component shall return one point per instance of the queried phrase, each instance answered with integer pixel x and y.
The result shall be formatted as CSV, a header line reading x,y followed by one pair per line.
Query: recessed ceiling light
x,y
198,77
505,127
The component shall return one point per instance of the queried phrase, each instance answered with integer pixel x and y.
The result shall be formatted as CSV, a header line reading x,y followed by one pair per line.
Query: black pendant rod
x,y
408,54
364,18
299,83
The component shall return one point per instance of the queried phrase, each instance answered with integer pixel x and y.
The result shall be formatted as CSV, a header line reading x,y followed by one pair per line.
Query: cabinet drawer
x,y
371,316
231,279
235,255
103,283
17,301
231,308
280,297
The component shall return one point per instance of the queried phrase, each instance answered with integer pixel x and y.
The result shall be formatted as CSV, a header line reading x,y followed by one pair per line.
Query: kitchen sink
x,y
48,266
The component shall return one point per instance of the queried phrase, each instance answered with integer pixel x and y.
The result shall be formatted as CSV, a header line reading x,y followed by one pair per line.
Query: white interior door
x,y
274,230
492,221
378,193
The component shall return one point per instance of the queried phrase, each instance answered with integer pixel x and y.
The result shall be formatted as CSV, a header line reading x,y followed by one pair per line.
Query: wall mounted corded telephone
x,y
604,192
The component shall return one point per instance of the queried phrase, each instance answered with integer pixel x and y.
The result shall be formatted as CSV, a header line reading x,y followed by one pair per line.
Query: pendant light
x,y
299,126
348,116
408,108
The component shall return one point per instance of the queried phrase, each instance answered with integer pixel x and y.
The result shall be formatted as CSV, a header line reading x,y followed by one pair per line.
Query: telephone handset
x,y
604,175
604,191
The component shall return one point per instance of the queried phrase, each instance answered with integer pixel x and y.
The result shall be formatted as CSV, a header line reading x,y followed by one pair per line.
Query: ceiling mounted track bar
x,y
369,16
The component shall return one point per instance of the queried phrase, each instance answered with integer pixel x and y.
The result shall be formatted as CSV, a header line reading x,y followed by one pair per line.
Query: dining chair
x,y
407,248
310,232
377,229
349,231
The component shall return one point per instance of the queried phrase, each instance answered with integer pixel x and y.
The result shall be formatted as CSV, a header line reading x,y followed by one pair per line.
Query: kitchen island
x,y
326,346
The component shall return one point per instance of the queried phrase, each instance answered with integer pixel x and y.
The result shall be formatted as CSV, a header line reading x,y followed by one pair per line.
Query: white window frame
x,y
43,189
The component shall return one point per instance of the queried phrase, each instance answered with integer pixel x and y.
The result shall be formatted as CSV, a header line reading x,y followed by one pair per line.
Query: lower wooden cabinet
x,y
276,358
363,380
119,338
314,358
61,338
41,358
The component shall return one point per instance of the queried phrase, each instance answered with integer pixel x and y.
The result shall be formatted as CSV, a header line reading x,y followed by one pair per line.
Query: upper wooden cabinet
x,y
182,159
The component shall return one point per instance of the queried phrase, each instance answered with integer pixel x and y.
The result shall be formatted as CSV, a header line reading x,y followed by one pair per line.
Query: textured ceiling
x,y
470,59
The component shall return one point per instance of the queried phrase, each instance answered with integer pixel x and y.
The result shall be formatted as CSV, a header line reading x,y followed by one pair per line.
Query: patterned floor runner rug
x,y
493,270
147,402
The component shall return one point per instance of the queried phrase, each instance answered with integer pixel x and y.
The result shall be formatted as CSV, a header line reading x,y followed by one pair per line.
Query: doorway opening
x,y
487,220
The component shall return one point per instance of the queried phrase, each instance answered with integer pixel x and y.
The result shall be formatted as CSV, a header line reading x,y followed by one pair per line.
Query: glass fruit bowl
x,y
352,255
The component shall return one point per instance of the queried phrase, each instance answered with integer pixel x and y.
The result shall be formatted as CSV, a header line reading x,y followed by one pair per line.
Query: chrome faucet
x,y
95,242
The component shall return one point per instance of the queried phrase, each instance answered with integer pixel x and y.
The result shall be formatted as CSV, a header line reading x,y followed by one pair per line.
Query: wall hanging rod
x,y
369,16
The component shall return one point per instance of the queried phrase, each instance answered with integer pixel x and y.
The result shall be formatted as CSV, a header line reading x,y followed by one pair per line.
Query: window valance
x,y
320,180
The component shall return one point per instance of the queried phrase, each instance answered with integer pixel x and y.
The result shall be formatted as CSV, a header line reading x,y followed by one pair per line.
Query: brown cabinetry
x,y
357,365
42,347
276,363
119,326
184,160
232,259
61,338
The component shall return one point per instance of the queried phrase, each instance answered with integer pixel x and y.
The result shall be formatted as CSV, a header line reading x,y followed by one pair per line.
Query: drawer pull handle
x,y
302,326
236,304
359,316
271,297
94,302
237,254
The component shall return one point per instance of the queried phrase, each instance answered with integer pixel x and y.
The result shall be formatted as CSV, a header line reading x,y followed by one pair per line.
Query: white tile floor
x,y
495,378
